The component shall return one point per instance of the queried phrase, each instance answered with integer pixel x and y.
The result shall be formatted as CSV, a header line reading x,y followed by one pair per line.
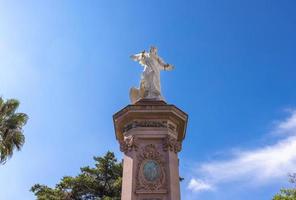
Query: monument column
x,y
150,133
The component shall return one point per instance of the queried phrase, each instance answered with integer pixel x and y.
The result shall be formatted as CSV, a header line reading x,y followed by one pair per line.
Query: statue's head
x,y
153,50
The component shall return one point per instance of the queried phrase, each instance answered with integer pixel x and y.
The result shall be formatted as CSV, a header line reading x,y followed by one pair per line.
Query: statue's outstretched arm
x,y
164,66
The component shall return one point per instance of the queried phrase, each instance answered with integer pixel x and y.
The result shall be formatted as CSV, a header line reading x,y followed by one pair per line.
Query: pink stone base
x,y
150,132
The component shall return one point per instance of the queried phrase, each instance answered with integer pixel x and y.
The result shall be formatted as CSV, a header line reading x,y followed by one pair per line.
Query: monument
x,y
150,133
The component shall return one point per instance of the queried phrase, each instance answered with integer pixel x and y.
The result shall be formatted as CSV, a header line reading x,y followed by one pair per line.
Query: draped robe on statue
x,y
150,80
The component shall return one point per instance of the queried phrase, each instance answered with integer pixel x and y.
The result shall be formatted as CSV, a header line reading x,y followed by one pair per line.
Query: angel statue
x,y
150,79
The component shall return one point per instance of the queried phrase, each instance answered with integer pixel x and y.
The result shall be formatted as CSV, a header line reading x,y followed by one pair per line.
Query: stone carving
x,y
150,79
128,144
151,170
135,124
155,181
171,144
171,127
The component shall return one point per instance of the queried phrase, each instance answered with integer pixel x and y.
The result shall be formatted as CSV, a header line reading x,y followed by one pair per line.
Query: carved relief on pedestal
x,y
171,144
150,171
145,123
128,144
172,127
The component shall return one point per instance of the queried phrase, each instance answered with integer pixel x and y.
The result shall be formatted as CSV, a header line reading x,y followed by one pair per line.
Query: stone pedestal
x,y
150,134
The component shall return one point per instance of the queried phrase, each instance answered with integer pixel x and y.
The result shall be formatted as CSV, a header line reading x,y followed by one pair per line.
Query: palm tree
x,y
11,133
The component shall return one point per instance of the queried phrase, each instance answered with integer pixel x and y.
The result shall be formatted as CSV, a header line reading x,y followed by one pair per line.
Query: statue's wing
x,y
139,58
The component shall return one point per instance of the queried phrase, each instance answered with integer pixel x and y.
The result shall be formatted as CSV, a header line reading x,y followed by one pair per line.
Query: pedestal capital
x,y
147,113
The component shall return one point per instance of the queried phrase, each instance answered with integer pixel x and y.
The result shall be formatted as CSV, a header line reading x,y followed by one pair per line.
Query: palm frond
x,y
11,133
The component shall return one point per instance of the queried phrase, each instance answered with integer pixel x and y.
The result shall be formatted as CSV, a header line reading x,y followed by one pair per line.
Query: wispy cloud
x,y
258,166
199,185
288,126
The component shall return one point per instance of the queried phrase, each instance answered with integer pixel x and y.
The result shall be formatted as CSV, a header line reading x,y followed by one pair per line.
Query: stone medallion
x,y
151,170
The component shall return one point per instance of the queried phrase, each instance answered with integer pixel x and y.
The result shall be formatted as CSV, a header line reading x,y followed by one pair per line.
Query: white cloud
x,y
288,126
199,185
259,166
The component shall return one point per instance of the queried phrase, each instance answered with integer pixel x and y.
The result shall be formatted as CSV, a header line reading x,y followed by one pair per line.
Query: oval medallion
x,y
151,170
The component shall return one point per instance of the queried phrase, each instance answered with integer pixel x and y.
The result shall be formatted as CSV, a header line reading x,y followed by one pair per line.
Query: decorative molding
x,y
128,144
171,144
150,153
171,127
146,123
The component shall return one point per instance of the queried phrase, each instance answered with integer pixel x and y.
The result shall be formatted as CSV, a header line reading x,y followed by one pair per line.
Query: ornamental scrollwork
x,y
128,144
171,144
150,153
148,123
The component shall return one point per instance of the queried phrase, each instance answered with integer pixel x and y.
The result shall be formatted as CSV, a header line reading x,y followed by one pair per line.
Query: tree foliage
x,y
11,133
287,193
103,182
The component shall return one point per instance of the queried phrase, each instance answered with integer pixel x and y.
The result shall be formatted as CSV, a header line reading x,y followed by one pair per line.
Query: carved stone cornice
x,y
128,144
154,115
171,144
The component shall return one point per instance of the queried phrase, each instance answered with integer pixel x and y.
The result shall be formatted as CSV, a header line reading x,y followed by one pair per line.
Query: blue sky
x,y
68,63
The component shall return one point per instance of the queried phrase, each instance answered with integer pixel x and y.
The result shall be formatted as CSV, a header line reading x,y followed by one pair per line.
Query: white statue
x,y
150,79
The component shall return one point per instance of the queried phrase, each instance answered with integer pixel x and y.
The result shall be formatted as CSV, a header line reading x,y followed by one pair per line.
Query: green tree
x,y
11,133
287,193
103,182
